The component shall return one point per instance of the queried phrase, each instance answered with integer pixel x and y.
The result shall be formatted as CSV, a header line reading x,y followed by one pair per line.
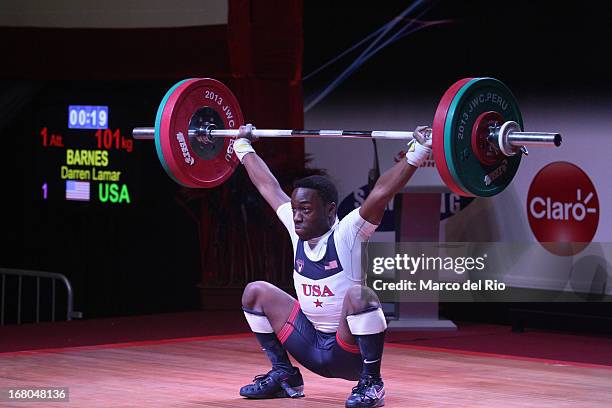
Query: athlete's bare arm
x,y
264,180
389,184
394,179
258,171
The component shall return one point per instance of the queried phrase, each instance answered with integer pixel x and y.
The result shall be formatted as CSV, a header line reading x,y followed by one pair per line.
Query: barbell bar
x,y
208,133
477,135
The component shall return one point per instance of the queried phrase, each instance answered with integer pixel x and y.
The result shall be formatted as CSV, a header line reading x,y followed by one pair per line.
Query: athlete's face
x,y
312,218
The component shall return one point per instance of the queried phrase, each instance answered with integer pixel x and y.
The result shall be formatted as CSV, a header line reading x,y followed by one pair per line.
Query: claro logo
x,y
563,208
556,210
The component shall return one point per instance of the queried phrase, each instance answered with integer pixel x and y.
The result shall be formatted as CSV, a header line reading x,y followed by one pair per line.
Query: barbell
x,y
477,136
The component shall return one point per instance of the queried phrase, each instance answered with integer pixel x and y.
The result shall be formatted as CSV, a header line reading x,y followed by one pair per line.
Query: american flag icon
x,y
77,190
331,265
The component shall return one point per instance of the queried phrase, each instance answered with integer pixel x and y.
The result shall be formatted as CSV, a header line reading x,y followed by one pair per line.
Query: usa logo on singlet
x,y
316,290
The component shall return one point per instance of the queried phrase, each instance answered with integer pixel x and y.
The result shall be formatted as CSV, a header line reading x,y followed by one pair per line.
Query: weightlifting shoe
x,y
369,392
275,384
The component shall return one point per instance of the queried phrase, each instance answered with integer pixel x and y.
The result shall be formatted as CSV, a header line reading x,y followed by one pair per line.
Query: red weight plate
x,y
482,148
191,166
438,137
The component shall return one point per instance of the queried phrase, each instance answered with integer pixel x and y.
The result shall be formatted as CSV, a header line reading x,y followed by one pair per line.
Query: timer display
x,y
87,117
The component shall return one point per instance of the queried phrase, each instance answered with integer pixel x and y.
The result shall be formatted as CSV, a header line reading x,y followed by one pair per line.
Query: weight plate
x,y
193,161
438,138
476,97
158,118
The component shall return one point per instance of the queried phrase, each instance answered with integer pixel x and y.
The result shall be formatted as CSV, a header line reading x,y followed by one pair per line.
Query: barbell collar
x,y
509,139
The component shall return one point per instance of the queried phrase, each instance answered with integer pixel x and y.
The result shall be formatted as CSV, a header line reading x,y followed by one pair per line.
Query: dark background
x,y
145,258
547,46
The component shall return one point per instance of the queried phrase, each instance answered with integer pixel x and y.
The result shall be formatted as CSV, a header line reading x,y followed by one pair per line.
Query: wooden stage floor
x,y
207,372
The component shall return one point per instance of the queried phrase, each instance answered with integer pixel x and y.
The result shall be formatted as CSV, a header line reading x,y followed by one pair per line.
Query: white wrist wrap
x,y
243,146
417,153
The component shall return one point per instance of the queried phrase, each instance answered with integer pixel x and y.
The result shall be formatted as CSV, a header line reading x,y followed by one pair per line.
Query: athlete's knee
x,y
253,292
359,299
258,293
364,313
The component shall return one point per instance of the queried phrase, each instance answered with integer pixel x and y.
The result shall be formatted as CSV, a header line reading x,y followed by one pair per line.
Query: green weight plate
x,y
476,97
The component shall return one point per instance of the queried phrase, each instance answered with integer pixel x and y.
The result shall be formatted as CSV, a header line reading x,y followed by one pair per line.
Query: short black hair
x,y
326,189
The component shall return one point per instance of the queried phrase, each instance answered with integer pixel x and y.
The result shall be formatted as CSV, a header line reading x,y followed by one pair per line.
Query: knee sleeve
x,y
258,321
369,322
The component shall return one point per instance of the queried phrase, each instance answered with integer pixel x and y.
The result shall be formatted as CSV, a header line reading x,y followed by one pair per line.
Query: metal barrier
x,y
70,313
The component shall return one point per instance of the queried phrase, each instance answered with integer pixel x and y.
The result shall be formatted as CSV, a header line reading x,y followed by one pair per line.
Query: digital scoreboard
x,y
83,158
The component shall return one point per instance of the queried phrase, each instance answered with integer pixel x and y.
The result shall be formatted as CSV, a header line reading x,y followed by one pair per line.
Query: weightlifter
x,y
336,327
